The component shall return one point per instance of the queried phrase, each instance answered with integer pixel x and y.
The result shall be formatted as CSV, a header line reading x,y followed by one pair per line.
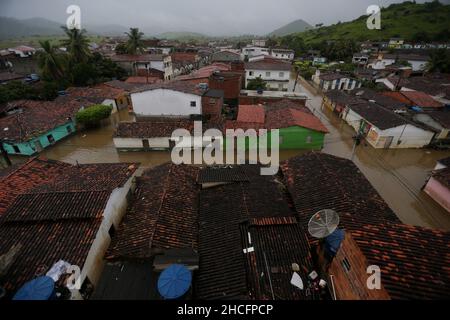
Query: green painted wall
x,y
290,138
29,148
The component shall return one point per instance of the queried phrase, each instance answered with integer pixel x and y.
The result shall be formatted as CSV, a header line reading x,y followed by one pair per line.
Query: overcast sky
x,y
212,17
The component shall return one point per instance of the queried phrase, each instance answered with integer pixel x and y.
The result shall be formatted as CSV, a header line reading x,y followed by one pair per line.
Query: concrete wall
x,y
137,143
164,102
114,211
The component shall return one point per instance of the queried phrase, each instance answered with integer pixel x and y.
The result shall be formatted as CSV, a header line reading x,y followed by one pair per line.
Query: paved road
x,y
398,175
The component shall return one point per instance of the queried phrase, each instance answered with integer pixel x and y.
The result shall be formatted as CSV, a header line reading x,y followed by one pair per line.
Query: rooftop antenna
x,y
323,223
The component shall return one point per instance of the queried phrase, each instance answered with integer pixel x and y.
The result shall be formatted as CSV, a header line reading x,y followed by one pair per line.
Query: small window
x,y
16,149
281,74
268,74
212,101
250,73
69,129
346,265
193,103
308,139
280,86
112,231
51,139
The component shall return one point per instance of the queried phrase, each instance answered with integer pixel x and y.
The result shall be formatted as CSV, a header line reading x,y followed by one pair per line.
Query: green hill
x,y
293,27
407,20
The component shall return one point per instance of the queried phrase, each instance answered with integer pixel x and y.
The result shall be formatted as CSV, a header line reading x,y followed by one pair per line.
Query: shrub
x,y
92,116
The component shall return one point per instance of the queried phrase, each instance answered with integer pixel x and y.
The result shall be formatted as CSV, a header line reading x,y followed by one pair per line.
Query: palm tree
x,y
50,62
134,43
77,44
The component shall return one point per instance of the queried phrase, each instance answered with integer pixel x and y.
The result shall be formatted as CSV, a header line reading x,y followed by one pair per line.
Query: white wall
x,y
409,136
165,102
114,211
273,79
127,143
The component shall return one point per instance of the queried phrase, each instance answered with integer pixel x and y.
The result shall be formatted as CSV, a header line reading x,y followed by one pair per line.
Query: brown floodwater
x,y
398,175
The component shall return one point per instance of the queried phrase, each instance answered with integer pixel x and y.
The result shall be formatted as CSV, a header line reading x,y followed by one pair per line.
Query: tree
x,y
439,61
50,62
91,116
257,84
77,45
134,43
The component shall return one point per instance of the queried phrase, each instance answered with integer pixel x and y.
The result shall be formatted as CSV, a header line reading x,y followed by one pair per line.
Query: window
x,y
193,103
69,129
212,101
250,73
16,149
280,86
308,139
268,74
51,139
281,74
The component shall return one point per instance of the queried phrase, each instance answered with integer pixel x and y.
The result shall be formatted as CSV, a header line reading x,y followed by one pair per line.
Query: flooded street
x,y
398,175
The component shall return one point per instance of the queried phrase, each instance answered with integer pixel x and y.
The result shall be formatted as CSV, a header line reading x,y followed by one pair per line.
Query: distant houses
x,y
335,81
158,65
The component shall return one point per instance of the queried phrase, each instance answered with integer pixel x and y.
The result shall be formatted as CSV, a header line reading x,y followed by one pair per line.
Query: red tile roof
x,y
152,129
137,57
205,72
149,80
251,113
268,64
287,117
421,99
163,214
37,117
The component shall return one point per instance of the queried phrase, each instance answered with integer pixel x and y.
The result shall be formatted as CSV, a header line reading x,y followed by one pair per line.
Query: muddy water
x,y
398,175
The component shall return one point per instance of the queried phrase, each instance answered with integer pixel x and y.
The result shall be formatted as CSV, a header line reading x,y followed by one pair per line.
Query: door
x,y
145,144
388,142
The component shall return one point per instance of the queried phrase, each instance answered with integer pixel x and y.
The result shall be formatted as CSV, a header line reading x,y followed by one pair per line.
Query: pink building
x,y
438,186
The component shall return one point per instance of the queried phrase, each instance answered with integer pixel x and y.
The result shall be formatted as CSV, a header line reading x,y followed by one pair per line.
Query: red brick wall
x,y
212,107
230,83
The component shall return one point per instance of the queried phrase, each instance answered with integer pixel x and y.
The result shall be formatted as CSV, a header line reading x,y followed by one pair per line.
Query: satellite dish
x,y
323,223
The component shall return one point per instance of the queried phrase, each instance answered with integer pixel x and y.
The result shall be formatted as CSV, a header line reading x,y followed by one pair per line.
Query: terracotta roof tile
x,y
251,113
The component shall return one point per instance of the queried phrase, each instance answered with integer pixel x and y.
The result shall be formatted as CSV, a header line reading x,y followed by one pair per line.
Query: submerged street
x,y
398,175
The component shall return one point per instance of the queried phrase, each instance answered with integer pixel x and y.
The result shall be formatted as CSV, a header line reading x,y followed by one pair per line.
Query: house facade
x,y
384,129
335,81
274,72
283,54
438,184
146,64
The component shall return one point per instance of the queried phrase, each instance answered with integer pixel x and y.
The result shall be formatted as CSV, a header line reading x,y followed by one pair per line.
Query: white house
x,y
144,64
274,72
259,42
23,51
335,81
250,51
383,128
418,62
283,54
176,99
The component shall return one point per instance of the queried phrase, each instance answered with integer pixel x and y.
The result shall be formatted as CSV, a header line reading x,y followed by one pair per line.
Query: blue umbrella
x,y
174,281
41,288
